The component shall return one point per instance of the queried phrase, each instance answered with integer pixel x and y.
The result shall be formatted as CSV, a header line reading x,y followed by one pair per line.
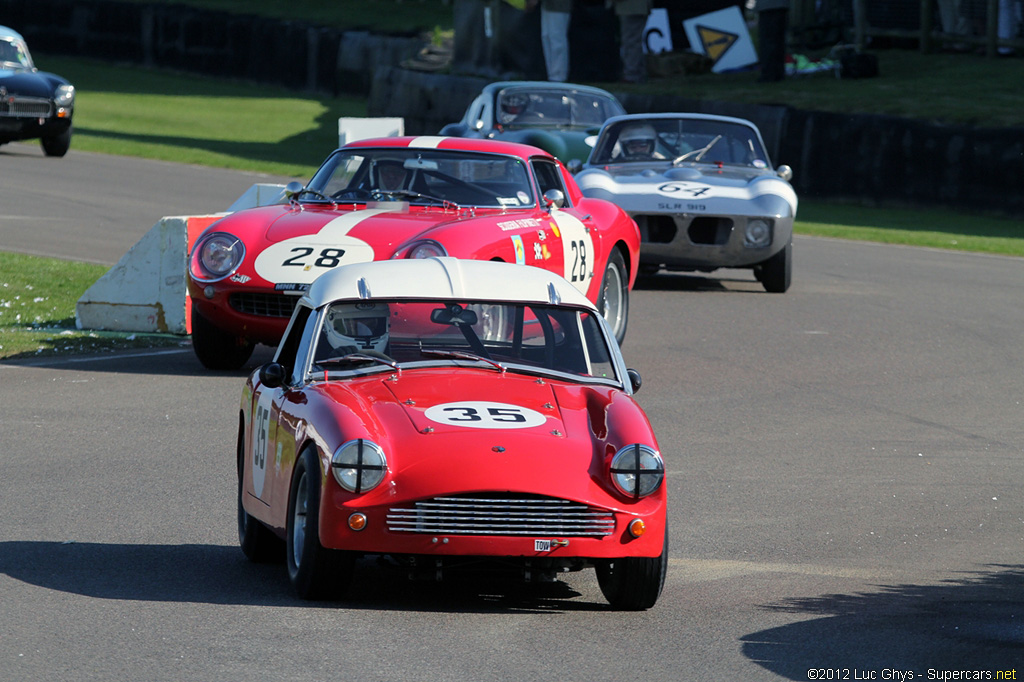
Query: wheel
x,y
217,349
776,273
315,572
633,583
257,542
613,300
57,145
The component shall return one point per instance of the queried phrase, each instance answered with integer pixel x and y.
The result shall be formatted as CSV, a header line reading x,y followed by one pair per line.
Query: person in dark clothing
x,y
772,22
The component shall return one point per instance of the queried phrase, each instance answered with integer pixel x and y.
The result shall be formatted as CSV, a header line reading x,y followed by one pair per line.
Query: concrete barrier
x,y
146,291
351,129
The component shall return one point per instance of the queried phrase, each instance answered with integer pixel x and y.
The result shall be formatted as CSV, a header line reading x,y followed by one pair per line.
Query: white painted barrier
x,y
352,129
146,290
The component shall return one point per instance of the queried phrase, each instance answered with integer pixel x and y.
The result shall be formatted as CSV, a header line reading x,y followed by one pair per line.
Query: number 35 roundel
x,y
485,415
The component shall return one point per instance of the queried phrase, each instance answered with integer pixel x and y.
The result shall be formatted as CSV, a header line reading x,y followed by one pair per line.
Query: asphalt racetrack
x,y
845,483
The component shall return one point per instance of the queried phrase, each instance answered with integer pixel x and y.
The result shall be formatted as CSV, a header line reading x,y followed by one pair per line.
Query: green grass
x,y
37,310
127,111
934,228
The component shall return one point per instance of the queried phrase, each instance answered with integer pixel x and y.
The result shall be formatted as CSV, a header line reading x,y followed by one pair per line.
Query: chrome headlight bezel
x,y
637,470
428,248
359,465
216,256
758,233
64,95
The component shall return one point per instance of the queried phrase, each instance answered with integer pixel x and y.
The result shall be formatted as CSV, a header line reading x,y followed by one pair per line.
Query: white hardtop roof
x,y
444,278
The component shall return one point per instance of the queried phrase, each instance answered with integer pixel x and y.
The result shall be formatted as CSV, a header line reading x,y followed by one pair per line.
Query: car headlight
x,y
427,249
64,96
359,465
637,470
216,256
758,234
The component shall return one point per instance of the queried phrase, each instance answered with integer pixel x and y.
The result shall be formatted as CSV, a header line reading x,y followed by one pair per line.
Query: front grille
x,y
264,305
497,515
710,230
25,107
657,228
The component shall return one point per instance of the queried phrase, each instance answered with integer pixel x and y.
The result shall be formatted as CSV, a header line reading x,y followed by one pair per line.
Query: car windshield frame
x,y
519,107
683,141
14,47
438,177
561,342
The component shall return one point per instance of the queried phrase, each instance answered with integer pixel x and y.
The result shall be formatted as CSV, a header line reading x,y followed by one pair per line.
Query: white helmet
x,y
357,327
637,141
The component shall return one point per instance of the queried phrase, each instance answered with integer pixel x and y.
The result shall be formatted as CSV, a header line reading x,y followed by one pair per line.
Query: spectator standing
x,y
772,22
1009,23
632,20
952,18
554,36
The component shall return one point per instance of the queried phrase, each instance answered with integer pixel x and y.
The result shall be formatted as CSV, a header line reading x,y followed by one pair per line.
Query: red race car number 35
x,y
485,415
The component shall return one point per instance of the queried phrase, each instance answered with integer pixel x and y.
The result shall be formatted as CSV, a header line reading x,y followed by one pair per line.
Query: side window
x,y
476,114
548,177
295,347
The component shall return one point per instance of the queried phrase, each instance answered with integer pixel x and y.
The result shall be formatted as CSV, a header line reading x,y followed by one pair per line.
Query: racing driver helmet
x,y
637,141
512,106
357,327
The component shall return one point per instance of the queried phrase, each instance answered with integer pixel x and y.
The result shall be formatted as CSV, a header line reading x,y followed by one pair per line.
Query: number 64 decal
x,y
477,414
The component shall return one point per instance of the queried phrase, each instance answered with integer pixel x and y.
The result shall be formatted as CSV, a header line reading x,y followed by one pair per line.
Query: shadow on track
x,y
972,622
214,574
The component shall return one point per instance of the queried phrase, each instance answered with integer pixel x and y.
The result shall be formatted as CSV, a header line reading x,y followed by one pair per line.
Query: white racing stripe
x,y
427,141
302,259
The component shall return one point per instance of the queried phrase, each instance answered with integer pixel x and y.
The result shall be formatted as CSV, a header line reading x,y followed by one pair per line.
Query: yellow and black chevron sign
x,y
715,42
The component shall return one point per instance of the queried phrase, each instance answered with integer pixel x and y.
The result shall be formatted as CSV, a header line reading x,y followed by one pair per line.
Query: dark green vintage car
x,y
563,119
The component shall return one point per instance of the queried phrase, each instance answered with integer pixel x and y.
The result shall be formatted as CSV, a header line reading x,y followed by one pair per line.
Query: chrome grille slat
x,y
264,305
25,107
518,516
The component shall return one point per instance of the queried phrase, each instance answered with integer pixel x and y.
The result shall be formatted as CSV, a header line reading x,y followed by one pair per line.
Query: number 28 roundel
x,y
303,259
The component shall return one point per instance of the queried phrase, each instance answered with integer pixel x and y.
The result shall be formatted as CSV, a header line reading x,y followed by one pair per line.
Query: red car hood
x,y
377,226
278,238
457,431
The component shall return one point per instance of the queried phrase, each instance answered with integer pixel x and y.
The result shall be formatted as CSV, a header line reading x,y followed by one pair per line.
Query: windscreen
x,y
424,176
515,336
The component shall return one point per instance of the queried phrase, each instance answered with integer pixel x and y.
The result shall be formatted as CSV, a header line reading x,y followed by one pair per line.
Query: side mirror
x,y
634,379
785,172
574,166
292,189
554,198
272,375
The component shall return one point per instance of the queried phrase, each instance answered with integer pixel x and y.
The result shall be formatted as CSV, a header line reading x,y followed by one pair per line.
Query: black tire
x,y
613,301
258,543
57,145
633,583
315,572
776,273
217,349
